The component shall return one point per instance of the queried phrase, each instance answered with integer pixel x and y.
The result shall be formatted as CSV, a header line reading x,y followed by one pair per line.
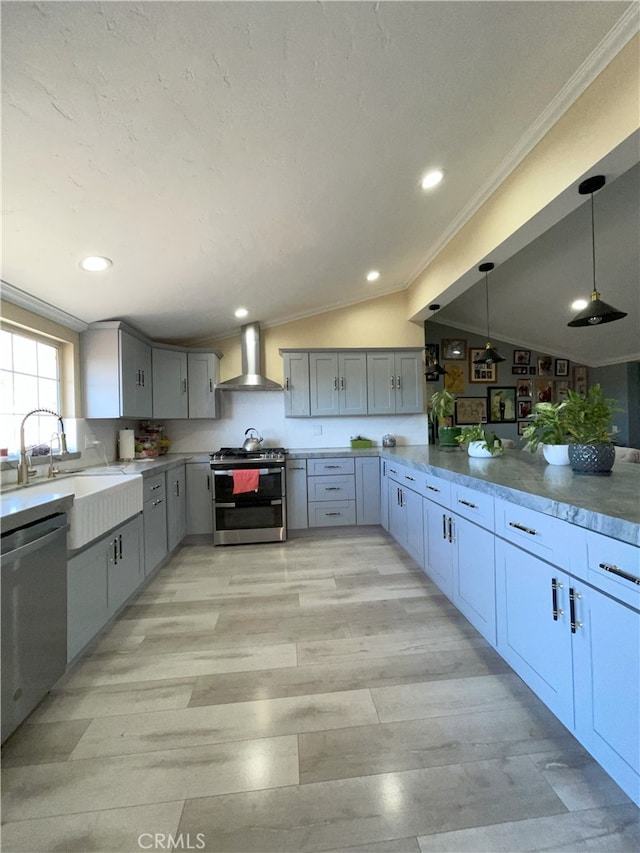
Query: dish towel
x,y
245,480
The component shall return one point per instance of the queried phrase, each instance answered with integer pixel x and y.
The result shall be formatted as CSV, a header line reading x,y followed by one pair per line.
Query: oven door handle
x,y
261,471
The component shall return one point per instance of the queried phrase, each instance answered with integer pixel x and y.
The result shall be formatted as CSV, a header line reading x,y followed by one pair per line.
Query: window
x,y
29,379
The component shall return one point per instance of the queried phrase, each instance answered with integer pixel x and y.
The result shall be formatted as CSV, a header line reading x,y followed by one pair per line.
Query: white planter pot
x,y
556,454
477,449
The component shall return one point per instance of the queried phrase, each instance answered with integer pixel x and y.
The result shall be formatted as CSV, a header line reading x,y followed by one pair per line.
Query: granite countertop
x,y
607,504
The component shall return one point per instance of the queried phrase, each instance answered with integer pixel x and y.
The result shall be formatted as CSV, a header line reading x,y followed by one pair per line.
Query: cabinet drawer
x,y
316,467
331,513
153,487
542,535
474,505
614,567
397,473
435,489
331,488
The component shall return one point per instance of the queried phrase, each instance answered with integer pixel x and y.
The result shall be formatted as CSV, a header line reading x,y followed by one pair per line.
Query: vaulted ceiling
x,y
265,155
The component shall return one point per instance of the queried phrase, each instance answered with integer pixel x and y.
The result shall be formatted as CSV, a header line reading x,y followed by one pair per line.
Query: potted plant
x,y
480,443
442,407
589,426
547,427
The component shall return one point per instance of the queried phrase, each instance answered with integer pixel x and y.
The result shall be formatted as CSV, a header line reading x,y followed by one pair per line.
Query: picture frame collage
x,y
536,378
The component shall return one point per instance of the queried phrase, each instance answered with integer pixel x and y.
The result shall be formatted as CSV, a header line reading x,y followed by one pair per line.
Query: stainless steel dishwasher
x,y
34,615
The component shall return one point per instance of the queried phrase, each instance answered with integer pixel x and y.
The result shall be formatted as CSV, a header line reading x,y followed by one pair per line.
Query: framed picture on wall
x,y
432,356
470,410
520,370
580,379
524,408
544,390
501,405
454,349
560,391
454,378
524,388
545,365
522,356
481,372
521,426
562,367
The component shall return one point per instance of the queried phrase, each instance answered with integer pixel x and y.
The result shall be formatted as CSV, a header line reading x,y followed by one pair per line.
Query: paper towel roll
x,y
127,444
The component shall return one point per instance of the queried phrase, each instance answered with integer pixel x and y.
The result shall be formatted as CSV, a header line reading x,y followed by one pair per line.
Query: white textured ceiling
x,y
261,154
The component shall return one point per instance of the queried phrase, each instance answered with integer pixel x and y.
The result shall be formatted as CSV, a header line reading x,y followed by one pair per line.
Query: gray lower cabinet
x,y
99,580
384,494
296,485
199,505
176,492
331,492
367,490
170,388
155,522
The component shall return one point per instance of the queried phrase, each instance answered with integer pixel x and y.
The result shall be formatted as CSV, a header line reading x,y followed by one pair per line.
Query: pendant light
x,y
490,355
597,311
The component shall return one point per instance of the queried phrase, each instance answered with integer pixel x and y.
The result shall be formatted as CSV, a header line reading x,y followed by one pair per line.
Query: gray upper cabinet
x,y
296,384
203,373
116,372
338,383
170,389
394,383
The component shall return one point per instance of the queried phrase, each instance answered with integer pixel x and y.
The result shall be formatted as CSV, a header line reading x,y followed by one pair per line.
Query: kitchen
x,y
390,320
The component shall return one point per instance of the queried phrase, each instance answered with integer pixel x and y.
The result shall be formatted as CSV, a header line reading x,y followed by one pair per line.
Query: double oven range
x,y
249,495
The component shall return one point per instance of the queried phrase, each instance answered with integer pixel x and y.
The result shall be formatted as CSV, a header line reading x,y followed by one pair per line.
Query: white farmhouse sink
x,y
100,502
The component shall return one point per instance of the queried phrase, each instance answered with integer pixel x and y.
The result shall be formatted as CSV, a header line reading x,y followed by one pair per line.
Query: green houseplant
x,y
442,408
547,427
589,426
480,442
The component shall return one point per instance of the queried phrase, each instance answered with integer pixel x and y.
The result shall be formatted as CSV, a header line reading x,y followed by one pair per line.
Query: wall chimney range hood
x,y
250,379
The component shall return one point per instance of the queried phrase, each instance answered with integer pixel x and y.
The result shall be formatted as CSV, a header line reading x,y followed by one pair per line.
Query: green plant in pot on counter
x,y
442,408
548,427
480,442
589,426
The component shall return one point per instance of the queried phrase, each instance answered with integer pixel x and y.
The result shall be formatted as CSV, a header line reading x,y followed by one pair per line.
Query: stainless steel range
x,y
249,495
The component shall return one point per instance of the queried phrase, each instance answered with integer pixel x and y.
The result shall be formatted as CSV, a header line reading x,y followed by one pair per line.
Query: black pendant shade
x,y
490,355
597,311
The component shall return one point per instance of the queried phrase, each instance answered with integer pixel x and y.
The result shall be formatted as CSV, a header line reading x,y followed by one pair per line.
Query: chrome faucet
x,y
24,471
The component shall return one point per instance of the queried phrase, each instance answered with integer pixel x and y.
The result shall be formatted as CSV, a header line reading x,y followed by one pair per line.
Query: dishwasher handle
x,y
19,543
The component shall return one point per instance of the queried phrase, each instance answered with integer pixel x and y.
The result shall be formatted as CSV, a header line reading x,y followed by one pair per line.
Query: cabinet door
x,y
352,383
202,371
199,499
135,377
397,514
414,525
296,385
381,394
155,533
606,656
534,632
170,393
474,592
409,383
438,550
124,570
176,506
296,486
323,378
87,603
384,494
368,490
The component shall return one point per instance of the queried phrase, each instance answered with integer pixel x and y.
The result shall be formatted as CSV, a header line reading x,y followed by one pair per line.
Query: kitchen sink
x,y
100,502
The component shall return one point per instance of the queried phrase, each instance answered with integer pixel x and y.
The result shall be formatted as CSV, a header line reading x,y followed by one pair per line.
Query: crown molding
x,y
618,36
43,309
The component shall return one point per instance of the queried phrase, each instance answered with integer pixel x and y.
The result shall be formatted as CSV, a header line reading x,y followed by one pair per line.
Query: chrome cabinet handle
x,y
286,384
155,503
120,545
333,513
444,526
467,503
210,385
573,597
432,488
615,570
115,551
296,467
342,383
208,482
524,529
184,386
153,488
452,530
332,489
392,384
407,477
177,488
332,466
554,599
397,382
335,383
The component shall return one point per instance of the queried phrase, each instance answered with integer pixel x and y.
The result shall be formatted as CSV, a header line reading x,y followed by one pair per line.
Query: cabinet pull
x,y
142,375
397,382
342,383
296,467
432,488
332,489
138,382
392,384
467,503
524,529
573,597
332,466
407,477
120,545
393,470
159,501
332,513
554,598
617,571
115,551
208,482
452,530
277,502
335,383
444,526
153,488
210,385
177,488
184,386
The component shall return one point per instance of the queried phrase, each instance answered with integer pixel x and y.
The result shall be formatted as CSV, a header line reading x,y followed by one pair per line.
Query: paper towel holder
x,y
126,445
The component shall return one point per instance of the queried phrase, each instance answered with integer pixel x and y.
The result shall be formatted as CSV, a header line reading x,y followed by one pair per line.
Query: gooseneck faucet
x,y
23,468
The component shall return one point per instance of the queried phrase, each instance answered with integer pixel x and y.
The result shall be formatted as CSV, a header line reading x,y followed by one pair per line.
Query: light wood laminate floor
x,y
316,695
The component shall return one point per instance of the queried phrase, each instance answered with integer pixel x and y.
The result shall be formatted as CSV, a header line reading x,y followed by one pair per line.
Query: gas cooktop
x,y
238,456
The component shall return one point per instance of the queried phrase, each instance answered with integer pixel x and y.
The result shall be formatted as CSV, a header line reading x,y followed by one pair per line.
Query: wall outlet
x,y
88,442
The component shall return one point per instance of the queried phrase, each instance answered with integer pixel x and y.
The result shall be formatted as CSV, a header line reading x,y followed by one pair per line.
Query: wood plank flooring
x,y
315,695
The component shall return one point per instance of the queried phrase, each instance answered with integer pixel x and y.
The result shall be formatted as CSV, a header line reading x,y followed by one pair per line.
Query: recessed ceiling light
x,y
241,312
374,275
94,263
579,304
431,179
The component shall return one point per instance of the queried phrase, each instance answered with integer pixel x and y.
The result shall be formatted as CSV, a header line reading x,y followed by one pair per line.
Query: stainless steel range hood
x,y
250,379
